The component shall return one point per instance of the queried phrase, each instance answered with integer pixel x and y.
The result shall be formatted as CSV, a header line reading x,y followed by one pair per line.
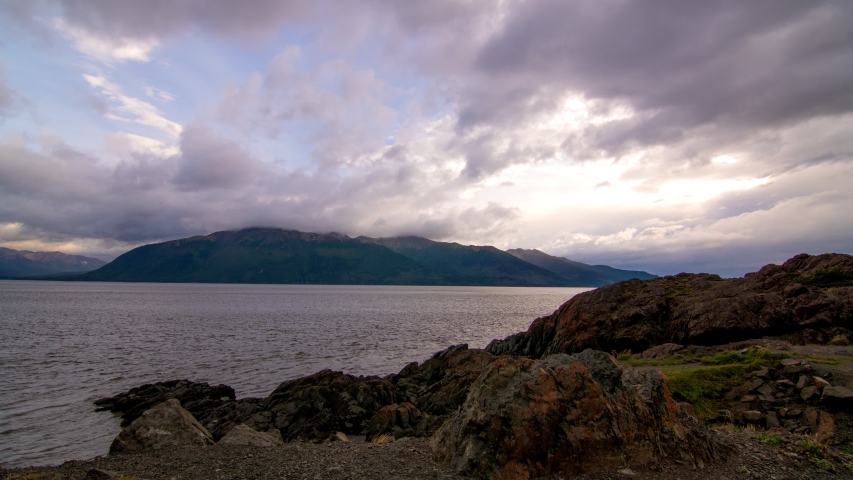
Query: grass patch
x,y
706,386
817,454
839,340
672,360
771,440
829,278
624,356
823,359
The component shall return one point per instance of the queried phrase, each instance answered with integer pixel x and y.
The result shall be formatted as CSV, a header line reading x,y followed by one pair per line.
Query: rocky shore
x,y
567,398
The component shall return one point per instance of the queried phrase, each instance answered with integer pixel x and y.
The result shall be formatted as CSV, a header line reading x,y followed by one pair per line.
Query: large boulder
x,y
808,298
439,385
165,425
317,406
244,435
195,397
566,415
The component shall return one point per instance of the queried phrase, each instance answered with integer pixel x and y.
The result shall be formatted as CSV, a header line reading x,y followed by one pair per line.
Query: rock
x,y
722,416
794,369
699,309
194,397
820,383
802,382
163,426
244,435
838,396
765,390
784,384
752,416
748,398
439,386
564,415
661,351
316,406
401,420
808,393
340,437
689,410
789,361
98,474
755,386
771,421
763,372
821,424
793,413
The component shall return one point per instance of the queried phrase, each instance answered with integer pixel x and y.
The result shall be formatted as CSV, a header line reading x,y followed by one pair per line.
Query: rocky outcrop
x,y
440,385
165,425
566,415
808,298
244,435
196,398
402,420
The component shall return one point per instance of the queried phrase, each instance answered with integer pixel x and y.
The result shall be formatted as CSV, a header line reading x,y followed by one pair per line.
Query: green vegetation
x,y
839,340
706,386
817,454
771,440
830,278
822,359
579,274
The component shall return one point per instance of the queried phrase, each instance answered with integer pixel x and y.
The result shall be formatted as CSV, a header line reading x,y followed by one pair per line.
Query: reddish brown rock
x,y
821,423
402,420
806,298
565,415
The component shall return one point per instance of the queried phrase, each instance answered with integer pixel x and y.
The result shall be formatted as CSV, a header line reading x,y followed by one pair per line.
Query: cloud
x,y
10,100
106,48
208,161
130,109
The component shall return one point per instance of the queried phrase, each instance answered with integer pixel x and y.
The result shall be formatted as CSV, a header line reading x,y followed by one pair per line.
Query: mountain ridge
x,y
27,263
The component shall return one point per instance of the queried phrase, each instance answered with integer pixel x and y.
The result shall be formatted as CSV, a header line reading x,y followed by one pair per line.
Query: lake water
x,y
62,344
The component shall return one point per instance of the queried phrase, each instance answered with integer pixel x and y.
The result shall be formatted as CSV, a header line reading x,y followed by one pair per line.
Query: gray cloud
x,y
208,161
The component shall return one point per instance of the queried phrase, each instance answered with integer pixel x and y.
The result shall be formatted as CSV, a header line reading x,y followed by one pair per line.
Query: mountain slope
x,y
24,263
261,255
579,274
470,265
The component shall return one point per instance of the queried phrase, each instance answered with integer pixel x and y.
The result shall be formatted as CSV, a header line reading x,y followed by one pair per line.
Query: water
x,y
62,345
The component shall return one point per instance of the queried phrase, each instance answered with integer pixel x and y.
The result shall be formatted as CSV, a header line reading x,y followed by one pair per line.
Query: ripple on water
x,y
66,344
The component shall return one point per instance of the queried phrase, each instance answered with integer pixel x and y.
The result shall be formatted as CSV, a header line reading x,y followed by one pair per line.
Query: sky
x,y
659,135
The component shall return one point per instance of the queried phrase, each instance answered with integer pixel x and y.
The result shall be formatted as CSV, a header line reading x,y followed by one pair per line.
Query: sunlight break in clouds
x,y
715,137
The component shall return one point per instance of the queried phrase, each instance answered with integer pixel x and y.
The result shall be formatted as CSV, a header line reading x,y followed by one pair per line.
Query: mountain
x,y
579,274
24,263
470,265
265,255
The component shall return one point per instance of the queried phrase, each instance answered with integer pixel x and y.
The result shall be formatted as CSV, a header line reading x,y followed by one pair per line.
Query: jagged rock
x,y
771,420
698,309
795,369
244,435
565,415
765,390
748,398
820,383
165,425
802,382
402,420
194,397
661,351
809,393
784,384
789,361
837,396
753,416
440,384
316,406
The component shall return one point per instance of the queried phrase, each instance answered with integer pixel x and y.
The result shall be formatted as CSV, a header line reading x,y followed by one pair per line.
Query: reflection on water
x,y
63,345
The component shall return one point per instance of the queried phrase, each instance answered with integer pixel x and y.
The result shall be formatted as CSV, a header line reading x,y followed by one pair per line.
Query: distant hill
x,y
470,265
24,263
265,255
577,273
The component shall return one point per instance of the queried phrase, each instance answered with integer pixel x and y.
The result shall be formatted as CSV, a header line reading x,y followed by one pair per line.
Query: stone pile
x,y
789,398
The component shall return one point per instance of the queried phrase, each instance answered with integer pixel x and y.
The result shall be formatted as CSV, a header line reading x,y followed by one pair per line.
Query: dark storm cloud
x,y
683,64
208,161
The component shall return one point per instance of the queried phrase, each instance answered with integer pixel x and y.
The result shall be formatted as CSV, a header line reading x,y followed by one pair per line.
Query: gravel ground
x,y
410,459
